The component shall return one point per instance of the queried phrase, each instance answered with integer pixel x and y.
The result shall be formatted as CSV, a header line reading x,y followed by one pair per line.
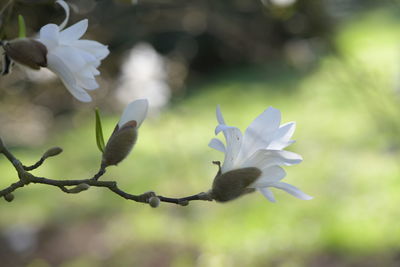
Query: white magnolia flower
x,y
125,133
260,150
75,61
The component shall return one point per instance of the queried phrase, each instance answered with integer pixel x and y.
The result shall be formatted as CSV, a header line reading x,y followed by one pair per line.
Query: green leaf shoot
x,y
99,132
22,27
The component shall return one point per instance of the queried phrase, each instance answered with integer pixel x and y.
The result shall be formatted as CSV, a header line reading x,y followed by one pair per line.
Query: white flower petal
x,y
55,64
220,118
89,58
99,50
89,72
74,32
233,138
269,176
93,70
267,193
66,9
135,111
70,57
278,144
264,158
292,190
49,35
261,131
289,158
87,83
286,131
217,145
282,136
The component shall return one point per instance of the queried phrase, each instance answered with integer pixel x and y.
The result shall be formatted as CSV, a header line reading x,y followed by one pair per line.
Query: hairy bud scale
x,y
28,52
233,184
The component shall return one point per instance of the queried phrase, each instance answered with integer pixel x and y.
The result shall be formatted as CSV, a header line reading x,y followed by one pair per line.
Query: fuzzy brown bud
x,y
28,52
120,144
233,184
54,151
9,197
154,202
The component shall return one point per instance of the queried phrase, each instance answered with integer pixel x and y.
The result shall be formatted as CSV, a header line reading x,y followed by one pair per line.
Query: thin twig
x,y
34,166
79,185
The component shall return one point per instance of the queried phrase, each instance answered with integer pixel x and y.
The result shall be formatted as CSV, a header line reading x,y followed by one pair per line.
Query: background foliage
x,y
339,81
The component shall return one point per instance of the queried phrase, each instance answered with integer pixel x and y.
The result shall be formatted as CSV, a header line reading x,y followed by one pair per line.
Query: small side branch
x,y
34,166
11,188
54,151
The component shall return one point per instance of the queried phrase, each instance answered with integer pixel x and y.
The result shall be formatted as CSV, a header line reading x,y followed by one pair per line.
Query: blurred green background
x,y
343,93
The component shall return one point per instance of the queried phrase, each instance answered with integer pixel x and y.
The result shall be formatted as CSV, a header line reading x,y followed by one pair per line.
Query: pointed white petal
x,y
70,57
289,158
87,83
264,158
66,9
261,131
49,35
87,72
233,138
282,136
87,56
93,70
286,130
136,111
292,190
267,193
220,118
99,50
74,32
217,145
279,145
56,65
269,176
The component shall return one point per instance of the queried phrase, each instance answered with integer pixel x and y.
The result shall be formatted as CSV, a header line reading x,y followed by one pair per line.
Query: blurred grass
x,y
350,167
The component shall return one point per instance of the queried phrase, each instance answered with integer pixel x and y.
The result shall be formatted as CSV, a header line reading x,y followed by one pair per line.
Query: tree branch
x,y
80,185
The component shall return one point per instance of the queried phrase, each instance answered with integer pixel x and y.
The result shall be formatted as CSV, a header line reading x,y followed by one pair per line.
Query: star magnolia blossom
x,y
75,61
261,147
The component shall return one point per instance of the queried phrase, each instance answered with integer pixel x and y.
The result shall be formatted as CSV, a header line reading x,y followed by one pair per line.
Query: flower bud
x,y
184,203
9,197
120,144
233,184
154,202
79,188
54,151
28,52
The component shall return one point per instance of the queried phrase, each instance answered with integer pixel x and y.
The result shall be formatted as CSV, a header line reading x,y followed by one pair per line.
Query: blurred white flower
x,y
75,61
280,3
144,75
260,150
